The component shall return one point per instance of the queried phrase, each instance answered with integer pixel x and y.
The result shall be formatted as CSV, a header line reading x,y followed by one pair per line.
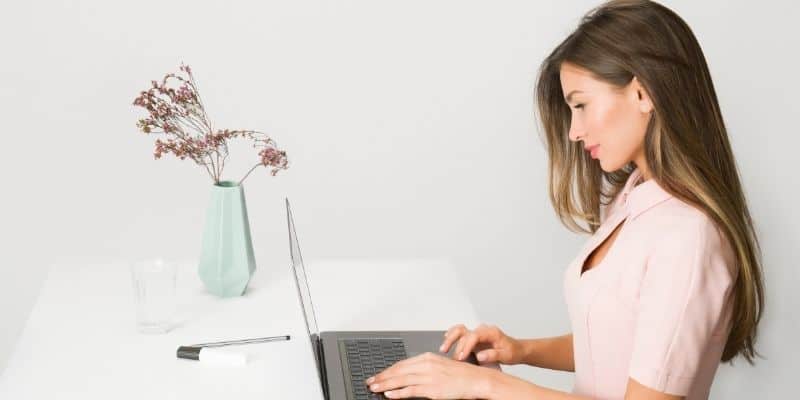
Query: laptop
x,y
345,359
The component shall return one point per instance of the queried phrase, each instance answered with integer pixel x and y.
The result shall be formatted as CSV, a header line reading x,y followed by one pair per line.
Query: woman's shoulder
x,y
679,227
679,218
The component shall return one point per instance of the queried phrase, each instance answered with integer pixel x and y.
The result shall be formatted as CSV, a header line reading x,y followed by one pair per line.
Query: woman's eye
x,y
579,106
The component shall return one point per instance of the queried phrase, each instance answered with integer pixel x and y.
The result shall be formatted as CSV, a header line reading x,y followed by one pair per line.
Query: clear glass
x,y
154,282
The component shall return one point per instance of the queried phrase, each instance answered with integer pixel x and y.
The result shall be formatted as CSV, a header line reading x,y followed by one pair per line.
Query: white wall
x,y
409,128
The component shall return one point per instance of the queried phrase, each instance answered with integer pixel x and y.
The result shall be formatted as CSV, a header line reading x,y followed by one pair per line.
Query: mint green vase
x,y
226,260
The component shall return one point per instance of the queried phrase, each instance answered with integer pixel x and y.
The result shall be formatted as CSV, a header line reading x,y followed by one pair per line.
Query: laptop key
x,y
369,357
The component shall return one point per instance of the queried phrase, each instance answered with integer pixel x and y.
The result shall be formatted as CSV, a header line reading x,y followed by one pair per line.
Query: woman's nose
x,y
575,134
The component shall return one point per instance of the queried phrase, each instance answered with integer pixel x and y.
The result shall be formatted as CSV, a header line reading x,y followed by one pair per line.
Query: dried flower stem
x,y
179,114
248,173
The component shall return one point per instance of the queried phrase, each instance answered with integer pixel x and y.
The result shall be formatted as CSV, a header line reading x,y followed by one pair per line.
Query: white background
x,y
410,132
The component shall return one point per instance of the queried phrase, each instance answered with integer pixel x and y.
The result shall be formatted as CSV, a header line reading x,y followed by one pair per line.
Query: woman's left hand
x,y
433,376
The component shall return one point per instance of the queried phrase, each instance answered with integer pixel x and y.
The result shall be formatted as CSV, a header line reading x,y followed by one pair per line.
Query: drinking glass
x,y
154,283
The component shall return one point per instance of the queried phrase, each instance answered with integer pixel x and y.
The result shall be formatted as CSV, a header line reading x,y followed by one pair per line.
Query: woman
x,y
670,283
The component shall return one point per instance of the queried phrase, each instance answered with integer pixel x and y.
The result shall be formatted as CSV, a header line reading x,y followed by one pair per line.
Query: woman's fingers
x,y
481,334
404,393
466,344
400,381
467,341
420,363
451,336
487,356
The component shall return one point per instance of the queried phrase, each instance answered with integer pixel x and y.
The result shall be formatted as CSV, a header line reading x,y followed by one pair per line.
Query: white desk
x,y
80,341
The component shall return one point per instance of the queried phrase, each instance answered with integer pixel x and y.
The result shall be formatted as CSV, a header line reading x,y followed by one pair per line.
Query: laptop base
x,y
337,371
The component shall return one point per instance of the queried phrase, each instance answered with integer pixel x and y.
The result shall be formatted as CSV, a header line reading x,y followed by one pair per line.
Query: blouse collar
x,y
636,199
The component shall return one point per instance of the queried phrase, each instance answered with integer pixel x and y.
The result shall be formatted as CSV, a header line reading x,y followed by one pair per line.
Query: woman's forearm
x,y
508,387
551,353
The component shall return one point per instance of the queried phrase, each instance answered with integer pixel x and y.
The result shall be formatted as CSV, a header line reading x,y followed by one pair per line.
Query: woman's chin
x,y
609,166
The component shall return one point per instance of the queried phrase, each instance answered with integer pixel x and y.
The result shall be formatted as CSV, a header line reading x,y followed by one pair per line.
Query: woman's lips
x,y
593,150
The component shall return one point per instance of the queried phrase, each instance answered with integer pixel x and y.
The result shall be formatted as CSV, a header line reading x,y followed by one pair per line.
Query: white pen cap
x,y
212,356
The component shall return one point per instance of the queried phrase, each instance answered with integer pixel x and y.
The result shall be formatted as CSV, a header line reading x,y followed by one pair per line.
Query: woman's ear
x,y
642,97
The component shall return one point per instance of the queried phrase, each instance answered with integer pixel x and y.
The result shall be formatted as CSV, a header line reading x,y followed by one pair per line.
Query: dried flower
x,y
175,110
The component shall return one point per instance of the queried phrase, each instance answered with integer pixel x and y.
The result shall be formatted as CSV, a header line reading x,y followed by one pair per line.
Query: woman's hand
x,y
489,343
433,376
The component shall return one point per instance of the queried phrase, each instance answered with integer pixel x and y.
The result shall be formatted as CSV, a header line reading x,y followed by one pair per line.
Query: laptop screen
x,y
303,292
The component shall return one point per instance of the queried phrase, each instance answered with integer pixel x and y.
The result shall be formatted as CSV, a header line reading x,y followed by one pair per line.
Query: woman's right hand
x,y
488,342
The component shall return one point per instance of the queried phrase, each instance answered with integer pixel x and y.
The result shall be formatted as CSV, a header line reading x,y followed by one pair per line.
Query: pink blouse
x,y
657,308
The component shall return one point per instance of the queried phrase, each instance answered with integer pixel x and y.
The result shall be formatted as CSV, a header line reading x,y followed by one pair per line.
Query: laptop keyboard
x,y
367,357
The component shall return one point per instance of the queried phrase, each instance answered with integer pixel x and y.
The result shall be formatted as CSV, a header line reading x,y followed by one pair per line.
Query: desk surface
x,y
80,340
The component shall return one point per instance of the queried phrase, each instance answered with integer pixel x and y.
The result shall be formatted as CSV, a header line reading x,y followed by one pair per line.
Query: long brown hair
x,y
686,143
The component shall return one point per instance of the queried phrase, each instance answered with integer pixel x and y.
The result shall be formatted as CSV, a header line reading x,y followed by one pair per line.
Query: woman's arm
x,y
508,387
503,386
436,376
551,353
